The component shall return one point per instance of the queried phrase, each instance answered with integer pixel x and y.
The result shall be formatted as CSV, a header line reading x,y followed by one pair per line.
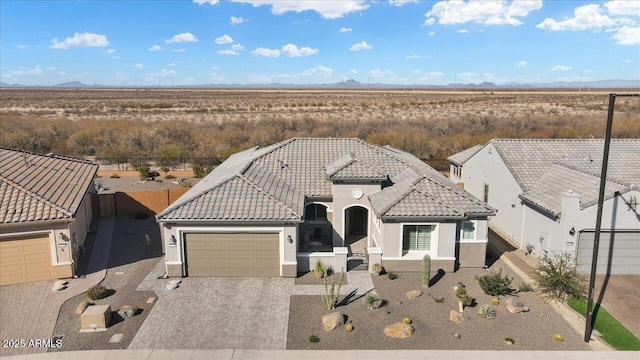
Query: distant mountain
x,y
74,84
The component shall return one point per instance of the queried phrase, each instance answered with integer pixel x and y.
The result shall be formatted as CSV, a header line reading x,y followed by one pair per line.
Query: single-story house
x,y
275,210
546,193
45,214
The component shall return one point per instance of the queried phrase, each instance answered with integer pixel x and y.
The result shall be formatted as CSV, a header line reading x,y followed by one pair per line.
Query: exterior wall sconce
x,y
289,239
173,242
572,231
62,237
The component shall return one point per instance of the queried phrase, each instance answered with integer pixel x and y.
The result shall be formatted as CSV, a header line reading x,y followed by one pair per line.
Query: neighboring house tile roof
x,y
545,168
41,187
464,155
288,172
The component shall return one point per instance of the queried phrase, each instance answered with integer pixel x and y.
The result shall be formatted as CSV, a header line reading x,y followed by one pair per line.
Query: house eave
x,y
539,207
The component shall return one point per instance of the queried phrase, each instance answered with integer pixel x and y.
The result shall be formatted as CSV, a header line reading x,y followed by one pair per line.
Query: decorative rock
x,y
457,336
413,294
456,317
58,287
60,283
175,281
399,330
171,286
127,311
116,338
82,307
518,307
332,321
151,300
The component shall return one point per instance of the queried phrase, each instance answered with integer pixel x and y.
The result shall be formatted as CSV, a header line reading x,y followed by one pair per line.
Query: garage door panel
x,y
232,254
25,258
624,258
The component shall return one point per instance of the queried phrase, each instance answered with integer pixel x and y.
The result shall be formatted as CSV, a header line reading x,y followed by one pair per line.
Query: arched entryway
x,y
356,229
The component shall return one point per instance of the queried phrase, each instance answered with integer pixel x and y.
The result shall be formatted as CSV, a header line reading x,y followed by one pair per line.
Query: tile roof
x,y
464,155
545,168
277,179
41,187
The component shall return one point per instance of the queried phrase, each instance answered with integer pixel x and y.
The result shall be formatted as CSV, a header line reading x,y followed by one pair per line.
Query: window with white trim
x,y
417,237
468,230
316,212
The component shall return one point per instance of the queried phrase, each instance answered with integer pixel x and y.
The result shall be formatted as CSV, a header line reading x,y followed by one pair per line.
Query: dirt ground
x,y
133,183
533,330
130,261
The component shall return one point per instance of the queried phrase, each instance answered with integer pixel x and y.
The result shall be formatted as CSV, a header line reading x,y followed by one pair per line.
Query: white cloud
x,y
361,46
272,53
237,20
326,9
21,47
62,72
224,39
156,75
182,38
450,12
412,57
584,17
51,68
462,31
319,70
291,50
377,73
138,66
431,75
179,50
171,64
109,51
560,68
623,7
233,50
627,35
344,30
37,70
155,48
80,40
415,72
402,2
353,72
210,2
468,77
521,64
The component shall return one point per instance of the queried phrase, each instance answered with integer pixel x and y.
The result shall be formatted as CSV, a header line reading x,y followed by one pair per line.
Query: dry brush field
x,y
171,124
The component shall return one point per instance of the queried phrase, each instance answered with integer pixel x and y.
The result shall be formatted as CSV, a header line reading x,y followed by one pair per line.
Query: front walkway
x,y
223,313
29,311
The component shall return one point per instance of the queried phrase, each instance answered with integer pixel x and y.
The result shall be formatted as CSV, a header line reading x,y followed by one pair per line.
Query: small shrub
x,y
377,268
144,172
464,299
558,277
391,275
509,341
487,311
314,339
371,301
200,171
524,287
186,184
169,176
97,292
165,170
115,176
495,284
319,269
529,248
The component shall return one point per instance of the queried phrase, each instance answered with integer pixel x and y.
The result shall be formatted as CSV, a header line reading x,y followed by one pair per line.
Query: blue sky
x,y
186,42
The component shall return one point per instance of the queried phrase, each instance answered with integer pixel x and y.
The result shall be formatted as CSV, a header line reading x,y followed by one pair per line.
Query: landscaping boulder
x,y
127,311
332,321
515,307
82,307
413,294
456,317
399,330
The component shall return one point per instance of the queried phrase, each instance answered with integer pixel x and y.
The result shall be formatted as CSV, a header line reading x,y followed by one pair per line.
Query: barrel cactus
x,y
487,311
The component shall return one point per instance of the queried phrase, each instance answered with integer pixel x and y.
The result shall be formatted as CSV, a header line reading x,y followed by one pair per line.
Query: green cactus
x,y
487,311
426,270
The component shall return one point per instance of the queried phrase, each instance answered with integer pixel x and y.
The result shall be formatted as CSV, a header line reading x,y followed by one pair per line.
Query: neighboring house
x,y
456,169
274,211
45,213
546,193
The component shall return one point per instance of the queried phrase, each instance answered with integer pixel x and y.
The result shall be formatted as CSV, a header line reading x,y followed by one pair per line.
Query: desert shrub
x,y
524,287
200,171
144,171
558,277
186,184
487,311
378,269
115,176
495,284
314,339
391,275
169,176
97,292
371,301
318,269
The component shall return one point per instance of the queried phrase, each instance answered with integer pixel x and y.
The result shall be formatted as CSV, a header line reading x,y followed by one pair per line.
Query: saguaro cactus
x,y
426,270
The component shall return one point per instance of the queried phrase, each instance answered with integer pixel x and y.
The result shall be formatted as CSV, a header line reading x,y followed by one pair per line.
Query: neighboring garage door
x,y
625,255
237,254
24,259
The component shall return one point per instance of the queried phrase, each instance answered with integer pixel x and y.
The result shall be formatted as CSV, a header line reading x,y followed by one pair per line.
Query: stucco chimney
x,y
570,204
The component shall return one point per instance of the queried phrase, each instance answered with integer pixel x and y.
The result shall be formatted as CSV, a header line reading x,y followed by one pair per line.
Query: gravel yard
x,y
131,259
532,330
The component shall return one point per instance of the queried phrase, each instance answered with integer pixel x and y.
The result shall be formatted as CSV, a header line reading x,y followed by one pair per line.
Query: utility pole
x,y
596,239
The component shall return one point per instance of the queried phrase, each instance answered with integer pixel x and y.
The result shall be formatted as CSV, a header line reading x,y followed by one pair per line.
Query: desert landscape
x,y
205,126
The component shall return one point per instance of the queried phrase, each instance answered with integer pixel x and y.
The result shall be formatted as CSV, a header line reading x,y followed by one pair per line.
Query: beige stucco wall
x,y
442,242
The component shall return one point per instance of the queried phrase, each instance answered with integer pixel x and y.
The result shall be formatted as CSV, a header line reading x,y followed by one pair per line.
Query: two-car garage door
x,y
232,254
25,259
621,259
